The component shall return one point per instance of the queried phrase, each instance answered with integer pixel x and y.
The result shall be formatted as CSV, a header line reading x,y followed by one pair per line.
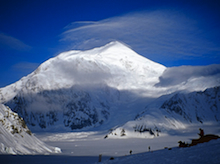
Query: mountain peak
x,y
114,49
111,64
98,65
115,44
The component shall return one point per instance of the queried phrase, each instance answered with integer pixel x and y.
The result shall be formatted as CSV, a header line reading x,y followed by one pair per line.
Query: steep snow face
x,y
16,138
80,89
173,112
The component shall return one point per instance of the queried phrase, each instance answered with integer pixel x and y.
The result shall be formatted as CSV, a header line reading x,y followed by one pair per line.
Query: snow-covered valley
x,y
85,147
93,143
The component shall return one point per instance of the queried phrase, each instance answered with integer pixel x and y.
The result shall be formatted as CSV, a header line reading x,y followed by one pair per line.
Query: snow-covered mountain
x,y
16,138
80,89
105,86
173,112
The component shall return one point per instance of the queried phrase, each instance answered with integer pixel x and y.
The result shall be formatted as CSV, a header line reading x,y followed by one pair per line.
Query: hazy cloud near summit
x,y
176,75
7,41
158,35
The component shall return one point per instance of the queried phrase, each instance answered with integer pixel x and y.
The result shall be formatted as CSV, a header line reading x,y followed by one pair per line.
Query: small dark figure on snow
x,y
201,133
183,144
149,148
130,152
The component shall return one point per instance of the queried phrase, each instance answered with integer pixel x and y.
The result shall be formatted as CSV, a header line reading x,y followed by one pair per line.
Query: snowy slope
x,y
105,86
173,112
202,154
16,138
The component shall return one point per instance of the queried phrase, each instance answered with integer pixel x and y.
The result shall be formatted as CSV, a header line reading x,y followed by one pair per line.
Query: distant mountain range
x,y
112,86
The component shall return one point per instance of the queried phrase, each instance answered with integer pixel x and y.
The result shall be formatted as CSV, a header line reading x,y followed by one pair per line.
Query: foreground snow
x,y
85,148
92,143
201,154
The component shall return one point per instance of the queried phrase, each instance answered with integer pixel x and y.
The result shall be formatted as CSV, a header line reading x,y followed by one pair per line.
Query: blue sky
x,y
170,32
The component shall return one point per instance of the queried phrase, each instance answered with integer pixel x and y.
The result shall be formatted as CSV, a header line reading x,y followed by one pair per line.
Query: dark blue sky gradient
x,y
31,30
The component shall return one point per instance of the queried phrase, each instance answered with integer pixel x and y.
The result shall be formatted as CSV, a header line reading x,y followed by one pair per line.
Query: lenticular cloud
x,y
157,35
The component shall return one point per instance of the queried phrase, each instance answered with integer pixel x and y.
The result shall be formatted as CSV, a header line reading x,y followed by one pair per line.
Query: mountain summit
x,y
113,64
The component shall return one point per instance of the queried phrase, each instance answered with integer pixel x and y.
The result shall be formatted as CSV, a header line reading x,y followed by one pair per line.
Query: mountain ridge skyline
x,y
172,33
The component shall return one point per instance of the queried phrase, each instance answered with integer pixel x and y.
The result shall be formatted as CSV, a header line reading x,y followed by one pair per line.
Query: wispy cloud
x,y
10,42
176,75
158,35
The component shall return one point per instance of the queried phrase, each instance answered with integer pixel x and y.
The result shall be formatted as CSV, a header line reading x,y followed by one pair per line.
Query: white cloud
x,y
10,42
157,35
176,75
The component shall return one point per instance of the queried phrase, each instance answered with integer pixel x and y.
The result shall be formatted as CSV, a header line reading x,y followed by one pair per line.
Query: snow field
x,y
206,153
85,148
93,143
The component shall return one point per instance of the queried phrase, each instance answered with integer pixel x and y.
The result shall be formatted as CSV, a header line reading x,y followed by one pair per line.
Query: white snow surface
x,y
85,147
16,138
199,154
